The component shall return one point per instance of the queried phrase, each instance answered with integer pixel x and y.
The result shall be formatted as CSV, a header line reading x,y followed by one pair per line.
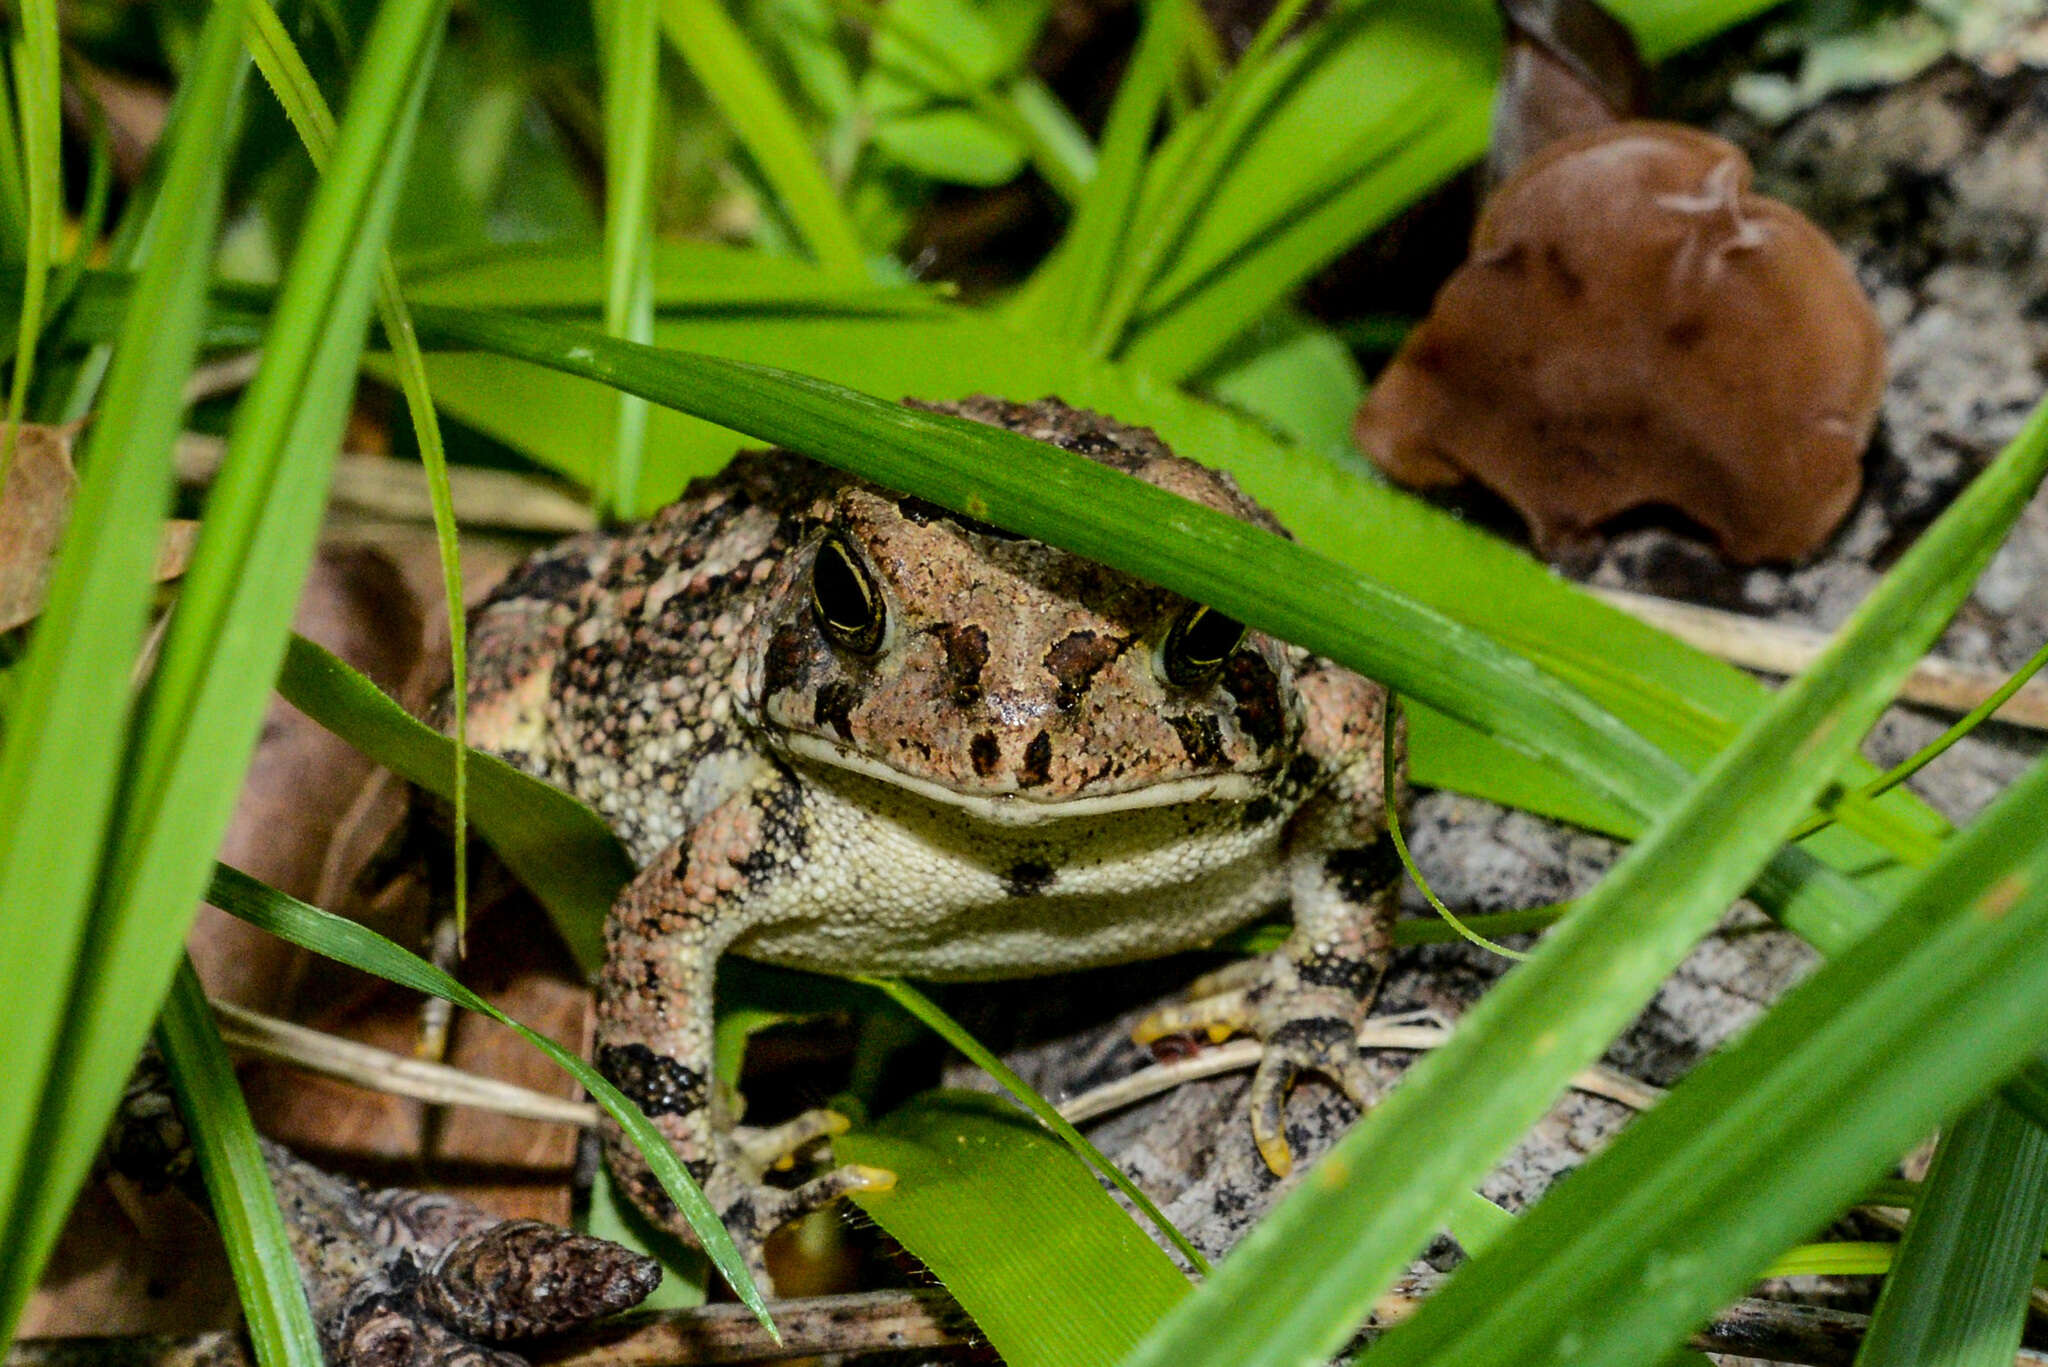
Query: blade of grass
x,y
293,85
720,57
1775,1135
1060,147
1391,779
245,1209
948,1029
200,716
1073,502
1023,1235
1036,120
1300,191
13,185
1330,136
1929,752
557,847
69,713
92,221
1303,1281
1957,1295
344,941
632,111
1189,173
1068,293
39,120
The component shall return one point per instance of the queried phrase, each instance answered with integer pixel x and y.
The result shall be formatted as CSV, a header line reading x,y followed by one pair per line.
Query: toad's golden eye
x,y
849,607
1199,642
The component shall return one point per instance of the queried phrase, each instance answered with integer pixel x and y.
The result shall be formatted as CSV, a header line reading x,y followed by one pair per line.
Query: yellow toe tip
x,y
1279,1157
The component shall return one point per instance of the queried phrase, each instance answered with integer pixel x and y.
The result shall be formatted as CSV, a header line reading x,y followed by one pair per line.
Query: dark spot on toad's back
x,y
554,579
1037,766
966,650
1076,658
834,707
985,753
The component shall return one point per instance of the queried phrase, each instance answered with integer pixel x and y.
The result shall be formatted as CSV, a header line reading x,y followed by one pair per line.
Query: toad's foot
x,y
1301,1031
775,1147
1301,1034
757,1211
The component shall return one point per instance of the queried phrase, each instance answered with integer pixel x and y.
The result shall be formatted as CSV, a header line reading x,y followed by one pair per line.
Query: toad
x,y
845,730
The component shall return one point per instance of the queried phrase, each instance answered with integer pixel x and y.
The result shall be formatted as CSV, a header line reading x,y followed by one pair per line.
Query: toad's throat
x,y
1025,808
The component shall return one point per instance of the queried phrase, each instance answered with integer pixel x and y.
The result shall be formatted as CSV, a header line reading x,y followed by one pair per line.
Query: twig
x,y
871,1321
379,1070
1776,648
1241,1055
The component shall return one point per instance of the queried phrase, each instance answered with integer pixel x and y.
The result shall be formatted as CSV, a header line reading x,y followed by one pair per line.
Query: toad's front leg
x,y
655,1022
1345,885
1306,1002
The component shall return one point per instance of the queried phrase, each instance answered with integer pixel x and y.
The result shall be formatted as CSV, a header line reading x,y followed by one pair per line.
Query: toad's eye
x,y
848,605
1199,642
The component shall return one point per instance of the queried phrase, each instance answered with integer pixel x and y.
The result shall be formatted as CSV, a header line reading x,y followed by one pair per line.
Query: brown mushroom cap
x,y
1634,328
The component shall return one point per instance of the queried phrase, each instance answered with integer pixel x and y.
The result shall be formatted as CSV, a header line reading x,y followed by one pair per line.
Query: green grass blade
x,y
1073,502
69,712
557,847
1957,1294
1189,173
92,222
1059,146
200,717
344,941
1023,109
293,85
39,120
1769,1139
719,55
948,1029
1019,1231
1302,1282
632,113
1933,750
13,185
280,1323
1068,293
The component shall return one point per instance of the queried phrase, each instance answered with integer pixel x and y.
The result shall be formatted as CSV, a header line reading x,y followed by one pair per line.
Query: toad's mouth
x,y
1021,807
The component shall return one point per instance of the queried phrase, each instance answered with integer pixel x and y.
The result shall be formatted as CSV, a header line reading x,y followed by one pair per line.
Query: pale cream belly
x,y
885,885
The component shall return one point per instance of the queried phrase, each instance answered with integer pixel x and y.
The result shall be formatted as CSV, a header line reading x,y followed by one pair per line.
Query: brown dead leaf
x,y
35,506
